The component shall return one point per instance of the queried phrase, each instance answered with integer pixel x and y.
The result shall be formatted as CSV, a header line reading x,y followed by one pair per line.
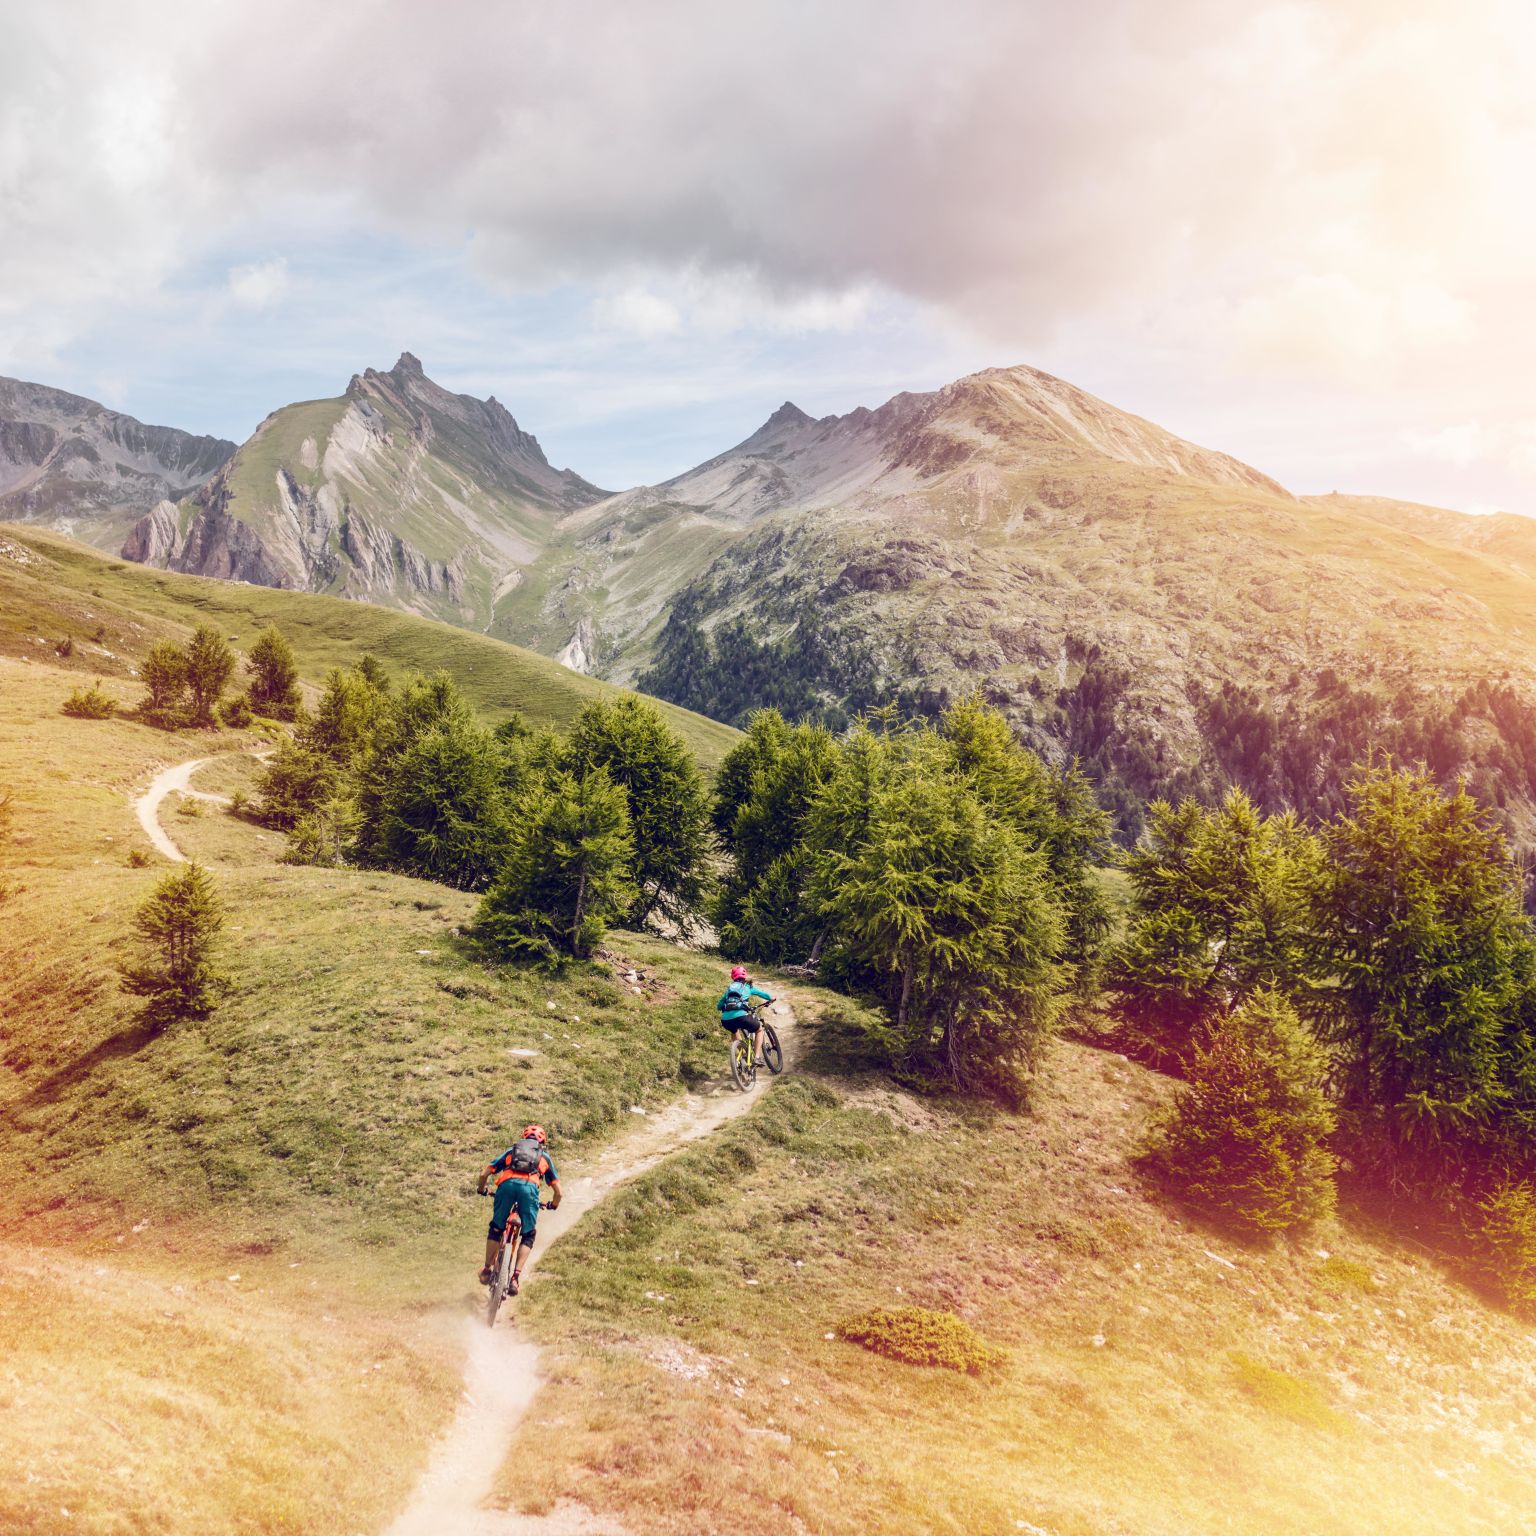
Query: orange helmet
x,y
537,1132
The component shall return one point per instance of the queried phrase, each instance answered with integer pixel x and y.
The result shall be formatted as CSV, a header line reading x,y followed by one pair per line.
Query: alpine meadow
x,y
976,933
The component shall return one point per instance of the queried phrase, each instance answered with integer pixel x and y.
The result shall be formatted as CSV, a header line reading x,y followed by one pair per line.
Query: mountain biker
x,y
735,1007
518,1173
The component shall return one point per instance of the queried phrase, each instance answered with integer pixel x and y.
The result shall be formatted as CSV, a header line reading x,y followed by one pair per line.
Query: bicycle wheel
x,y
503,1274
743,1068
773,1052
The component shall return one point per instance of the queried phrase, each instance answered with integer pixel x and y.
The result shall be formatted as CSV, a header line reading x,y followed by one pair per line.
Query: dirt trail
x,y
501,1376
177,780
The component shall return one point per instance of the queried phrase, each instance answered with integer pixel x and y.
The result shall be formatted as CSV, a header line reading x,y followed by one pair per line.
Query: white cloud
x,y
636,311
1334,192
259,284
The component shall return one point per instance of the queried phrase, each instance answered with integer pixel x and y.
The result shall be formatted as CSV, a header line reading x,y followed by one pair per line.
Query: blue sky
x,y
1295,230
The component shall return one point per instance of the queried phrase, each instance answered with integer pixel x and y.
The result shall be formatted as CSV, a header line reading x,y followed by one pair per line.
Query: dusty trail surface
x,y
174,780
501,1373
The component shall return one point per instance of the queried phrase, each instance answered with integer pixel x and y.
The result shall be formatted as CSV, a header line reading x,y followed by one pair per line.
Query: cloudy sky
x,y
1300,232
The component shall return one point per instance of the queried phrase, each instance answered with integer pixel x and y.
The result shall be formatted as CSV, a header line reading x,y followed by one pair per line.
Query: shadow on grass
x,y
126,1042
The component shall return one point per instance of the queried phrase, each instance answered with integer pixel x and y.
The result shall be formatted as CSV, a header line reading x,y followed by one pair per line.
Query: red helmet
x,y
537,1132
738,973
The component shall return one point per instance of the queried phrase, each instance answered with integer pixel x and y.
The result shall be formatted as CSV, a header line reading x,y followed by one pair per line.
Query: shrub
x,y
92,703
1508,1232
239,802
1284,1394
1244,1136
236,713
138,859
1338,1275
179,925
65,647
919,1336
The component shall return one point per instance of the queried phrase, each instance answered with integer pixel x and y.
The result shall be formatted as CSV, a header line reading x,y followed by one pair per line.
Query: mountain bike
x,y
744,1055
501,1271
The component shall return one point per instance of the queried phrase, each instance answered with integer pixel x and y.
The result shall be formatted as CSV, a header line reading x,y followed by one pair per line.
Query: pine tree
x,y
1424,969
295,781
1245,1137
435,808
764,794
164,675
567,875
942,910
210,665
1055,812
349,712
1220,911
668,808
274,688
179,925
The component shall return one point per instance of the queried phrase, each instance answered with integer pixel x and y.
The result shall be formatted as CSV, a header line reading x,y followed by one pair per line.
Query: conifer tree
x,y
1245,1137
668,808
210,665
179,924
1220,911
164,675
567,875
1423,966
942,910
274,687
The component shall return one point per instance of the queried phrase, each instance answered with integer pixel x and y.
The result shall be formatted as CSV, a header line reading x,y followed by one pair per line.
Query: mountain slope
x,y
606,583
53,591
397,492
72,464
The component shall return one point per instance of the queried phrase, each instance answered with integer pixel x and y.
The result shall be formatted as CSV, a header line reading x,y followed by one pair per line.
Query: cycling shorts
x,y
522,1196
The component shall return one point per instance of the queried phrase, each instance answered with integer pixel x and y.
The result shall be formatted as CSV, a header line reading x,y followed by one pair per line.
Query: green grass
x,y
64,589
701,1380
1302,1402
318,1136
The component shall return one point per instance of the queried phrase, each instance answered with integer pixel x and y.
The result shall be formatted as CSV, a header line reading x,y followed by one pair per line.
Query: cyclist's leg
x,y
528,1208
500,1210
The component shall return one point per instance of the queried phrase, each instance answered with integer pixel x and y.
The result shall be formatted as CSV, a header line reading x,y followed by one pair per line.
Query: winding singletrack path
x,y
501,1377
175,780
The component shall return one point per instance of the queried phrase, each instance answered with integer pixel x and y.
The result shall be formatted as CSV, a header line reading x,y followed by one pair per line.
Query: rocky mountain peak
x,y
408,363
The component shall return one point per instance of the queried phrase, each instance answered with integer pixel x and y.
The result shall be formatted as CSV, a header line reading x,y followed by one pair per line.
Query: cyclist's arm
x,y
758,992
485,1177
553,1180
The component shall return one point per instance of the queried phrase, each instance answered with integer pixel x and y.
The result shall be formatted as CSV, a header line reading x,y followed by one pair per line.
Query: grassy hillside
x,y
52,590
1158,1378
248,1244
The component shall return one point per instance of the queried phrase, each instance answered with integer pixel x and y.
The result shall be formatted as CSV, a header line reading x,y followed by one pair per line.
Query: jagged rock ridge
x,y
75,465
398,491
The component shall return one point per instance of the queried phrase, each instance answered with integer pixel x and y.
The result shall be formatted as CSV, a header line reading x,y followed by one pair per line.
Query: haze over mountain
x,y
88,470
1107,582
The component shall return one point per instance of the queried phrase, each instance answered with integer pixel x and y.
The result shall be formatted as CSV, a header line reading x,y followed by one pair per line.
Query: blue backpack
x,y
738,996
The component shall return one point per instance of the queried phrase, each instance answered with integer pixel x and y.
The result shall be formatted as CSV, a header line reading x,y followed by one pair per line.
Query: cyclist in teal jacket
x,y
735,1007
